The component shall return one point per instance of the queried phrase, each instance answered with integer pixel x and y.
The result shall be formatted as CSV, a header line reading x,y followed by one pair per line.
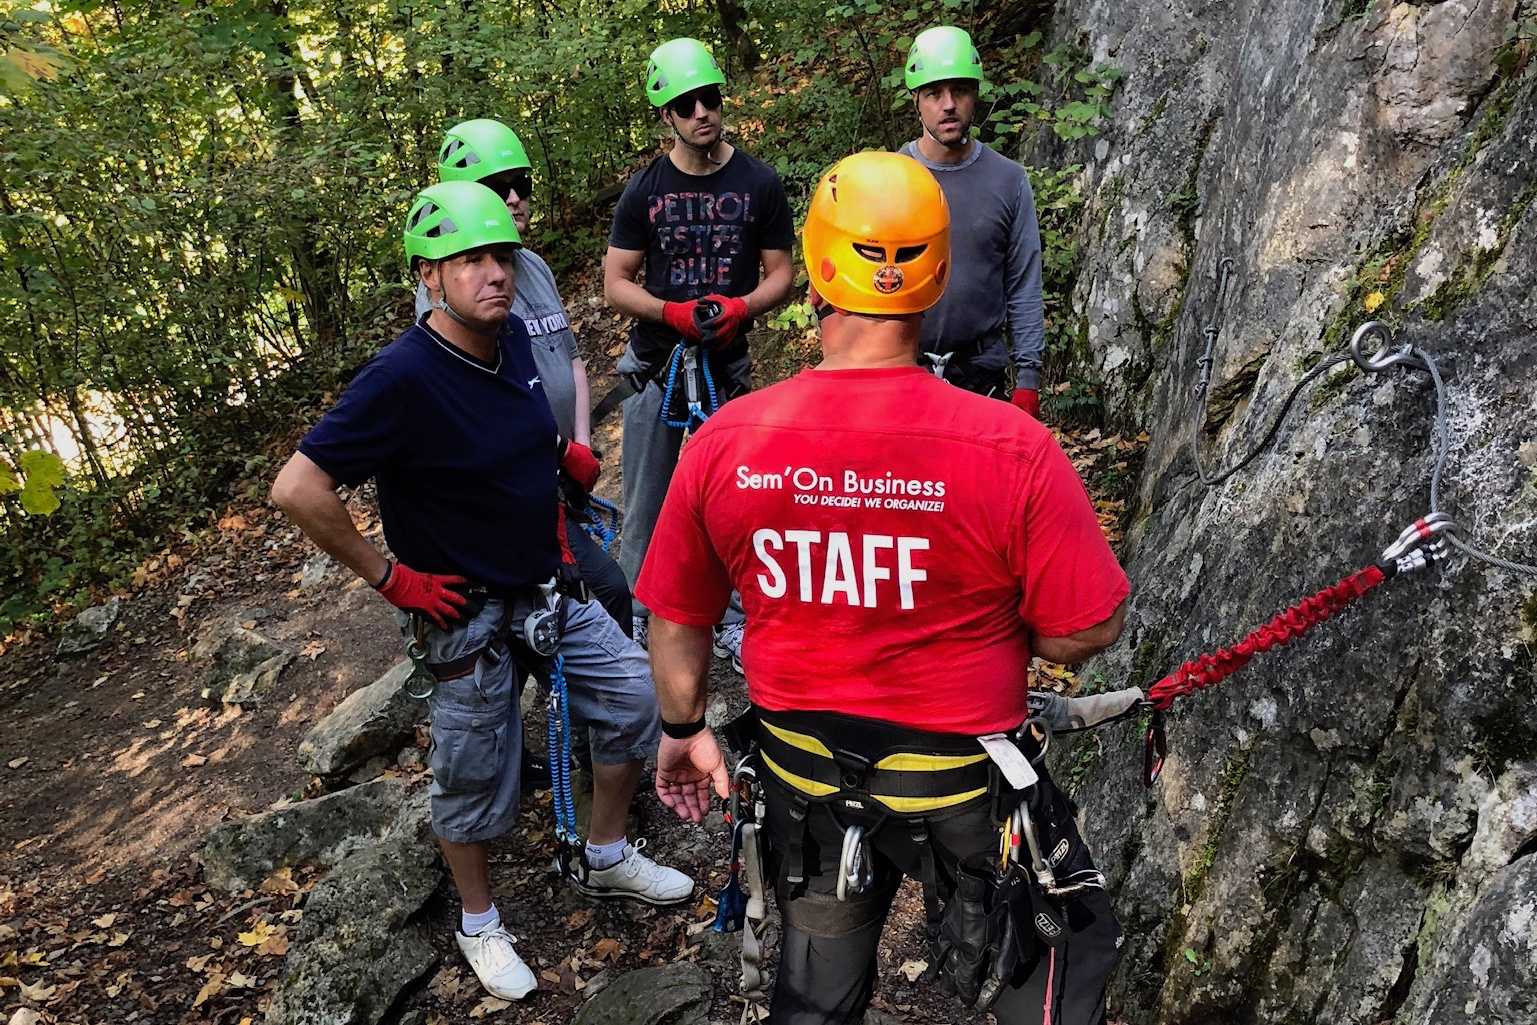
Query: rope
x,y
558,743
602,533
1443,446
1287,626
695,415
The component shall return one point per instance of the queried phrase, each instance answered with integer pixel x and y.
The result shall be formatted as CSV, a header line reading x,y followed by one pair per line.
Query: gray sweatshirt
x,y
537,303
995,254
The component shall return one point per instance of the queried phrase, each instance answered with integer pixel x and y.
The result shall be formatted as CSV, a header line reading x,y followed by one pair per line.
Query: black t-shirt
x,y
464,453
701,234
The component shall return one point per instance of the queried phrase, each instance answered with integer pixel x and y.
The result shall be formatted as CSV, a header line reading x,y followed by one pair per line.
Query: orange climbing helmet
x,y
877,236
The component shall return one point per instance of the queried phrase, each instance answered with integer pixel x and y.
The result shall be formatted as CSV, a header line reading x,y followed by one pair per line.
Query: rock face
x,y
373,720
239,854
677,994
1345,830
89,630
362,941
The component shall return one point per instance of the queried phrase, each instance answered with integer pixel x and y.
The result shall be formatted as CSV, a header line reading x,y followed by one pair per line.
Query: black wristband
x,y
682,730
389,571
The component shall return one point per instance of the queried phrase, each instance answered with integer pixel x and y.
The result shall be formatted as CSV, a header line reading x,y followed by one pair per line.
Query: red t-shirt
x,y
894,539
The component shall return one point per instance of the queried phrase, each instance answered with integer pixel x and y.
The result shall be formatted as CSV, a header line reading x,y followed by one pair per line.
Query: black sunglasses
x,y
683,106
521,182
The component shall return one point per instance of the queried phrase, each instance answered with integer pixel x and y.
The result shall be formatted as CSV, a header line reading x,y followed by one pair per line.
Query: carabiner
x,y
855,874
1155,748
1426,528
421,683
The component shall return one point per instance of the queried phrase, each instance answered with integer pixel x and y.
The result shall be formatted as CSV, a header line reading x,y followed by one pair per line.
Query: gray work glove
x,y
1064,713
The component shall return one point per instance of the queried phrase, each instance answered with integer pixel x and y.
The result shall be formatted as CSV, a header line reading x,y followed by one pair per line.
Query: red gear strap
x,y
1209,669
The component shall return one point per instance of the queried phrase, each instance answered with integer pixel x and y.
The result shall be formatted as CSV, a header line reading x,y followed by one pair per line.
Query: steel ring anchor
x,y
1388,354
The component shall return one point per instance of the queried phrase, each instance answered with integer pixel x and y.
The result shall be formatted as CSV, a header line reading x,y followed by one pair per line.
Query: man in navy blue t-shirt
x,y
451,422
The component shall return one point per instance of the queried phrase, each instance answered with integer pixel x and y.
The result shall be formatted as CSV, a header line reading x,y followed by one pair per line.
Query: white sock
x,y
606,855
472,923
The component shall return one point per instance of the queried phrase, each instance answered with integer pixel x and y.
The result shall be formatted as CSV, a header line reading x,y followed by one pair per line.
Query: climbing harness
x,y
691,362
693,365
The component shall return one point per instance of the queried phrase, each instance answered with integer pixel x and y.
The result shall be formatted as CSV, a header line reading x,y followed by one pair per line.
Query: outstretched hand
x,y
687,770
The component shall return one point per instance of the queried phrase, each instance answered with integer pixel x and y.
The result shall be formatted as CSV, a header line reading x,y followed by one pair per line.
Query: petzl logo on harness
x,y
1046,926
888,279
1059,853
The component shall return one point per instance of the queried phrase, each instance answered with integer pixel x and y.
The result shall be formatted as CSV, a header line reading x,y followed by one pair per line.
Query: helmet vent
x,y
423,212
906,254
875,254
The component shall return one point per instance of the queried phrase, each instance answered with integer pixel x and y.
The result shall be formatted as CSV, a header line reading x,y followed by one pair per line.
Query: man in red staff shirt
x,y
902,549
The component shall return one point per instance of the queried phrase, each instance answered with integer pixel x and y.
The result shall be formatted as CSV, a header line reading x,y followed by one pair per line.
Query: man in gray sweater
x,y
990,316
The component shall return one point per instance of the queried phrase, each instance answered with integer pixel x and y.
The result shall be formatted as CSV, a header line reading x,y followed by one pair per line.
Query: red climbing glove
x,y
680,317
430,594
721,328
578,463
1028,399
568,577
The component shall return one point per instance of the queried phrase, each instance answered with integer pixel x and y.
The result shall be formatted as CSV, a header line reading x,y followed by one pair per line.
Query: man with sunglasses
x,y
488,152
990,315
704,221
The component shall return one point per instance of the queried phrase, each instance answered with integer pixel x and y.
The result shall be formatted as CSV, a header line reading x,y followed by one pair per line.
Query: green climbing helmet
x,y
679,66
452,217
473,151
940,53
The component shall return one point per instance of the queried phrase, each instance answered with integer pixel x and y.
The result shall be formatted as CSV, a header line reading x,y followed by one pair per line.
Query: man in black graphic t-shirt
x,y
702,221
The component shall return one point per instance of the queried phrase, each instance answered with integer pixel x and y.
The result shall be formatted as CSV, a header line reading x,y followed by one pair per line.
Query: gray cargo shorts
x,y
477,727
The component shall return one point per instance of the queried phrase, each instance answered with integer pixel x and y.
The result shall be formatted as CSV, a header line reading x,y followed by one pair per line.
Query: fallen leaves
x,y
490,1005
16,763
912,969
313,650
258,934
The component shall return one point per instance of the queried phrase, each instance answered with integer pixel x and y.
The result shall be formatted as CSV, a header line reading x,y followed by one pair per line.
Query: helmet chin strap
x,y
442,304
965,139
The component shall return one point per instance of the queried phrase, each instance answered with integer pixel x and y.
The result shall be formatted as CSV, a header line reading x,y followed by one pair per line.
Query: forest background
x,y
200,205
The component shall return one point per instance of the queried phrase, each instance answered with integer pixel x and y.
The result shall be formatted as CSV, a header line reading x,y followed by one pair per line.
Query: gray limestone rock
x,y
88,631
239,854
243,665
371,721
676,994
362,939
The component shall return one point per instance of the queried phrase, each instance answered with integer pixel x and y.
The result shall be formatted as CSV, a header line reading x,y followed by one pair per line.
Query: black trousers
x,y
827,959
602,576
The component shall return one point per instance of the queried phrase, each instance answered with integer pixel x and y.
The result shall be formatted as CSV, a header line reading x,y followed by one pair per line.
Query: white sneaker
x,y
728,644
636,877
497,964
638,629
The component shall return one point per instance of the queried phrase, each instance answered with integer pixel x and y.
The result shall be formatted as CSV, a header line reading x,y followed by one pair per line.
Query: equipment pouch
x,y
971,928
